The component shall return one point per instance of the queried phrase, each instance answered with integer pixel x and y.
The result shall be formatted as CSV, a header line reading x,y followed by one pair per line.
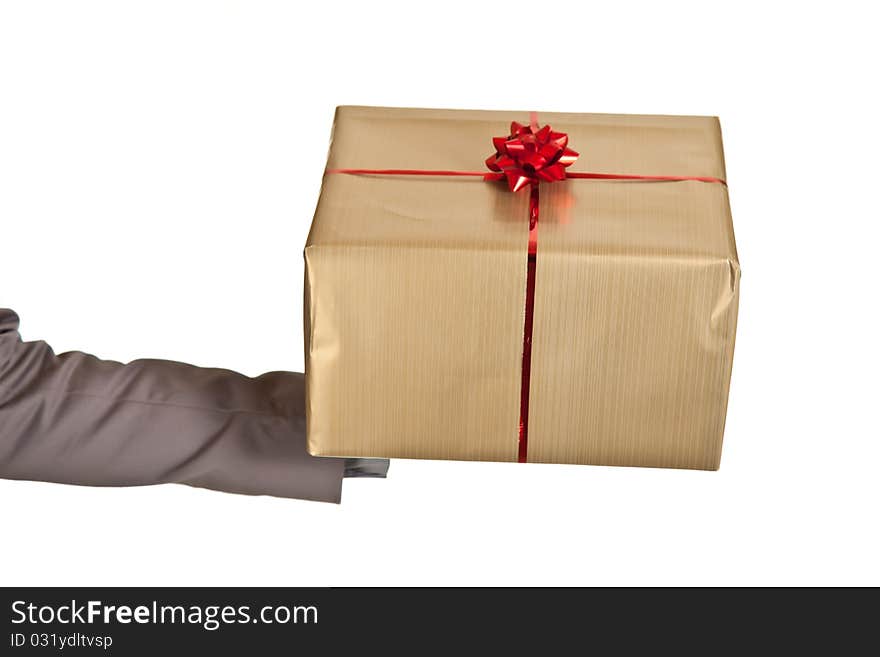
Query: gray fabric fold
x,y
72,418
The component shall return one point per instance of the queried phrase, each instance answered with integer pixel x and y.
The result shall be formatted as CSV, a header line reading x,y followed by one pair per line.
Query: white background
x,y
159,166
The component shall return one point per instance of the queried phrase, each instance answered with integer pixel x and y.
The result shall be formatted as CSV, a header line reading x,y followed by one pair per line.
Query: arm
x,y
73,418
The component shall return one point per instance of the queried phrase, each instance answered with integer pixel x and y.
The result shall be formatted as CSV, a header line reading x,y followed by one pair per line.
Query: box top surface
x,y
617,218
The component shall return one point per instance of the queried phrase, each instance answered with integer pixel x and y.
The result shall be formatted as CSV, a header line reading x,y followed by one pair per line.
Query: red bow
x,y
531,154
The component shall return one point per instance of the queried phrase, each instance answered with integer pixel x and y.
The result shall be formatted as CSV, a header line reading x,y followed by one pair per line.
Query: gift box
x,y
513,286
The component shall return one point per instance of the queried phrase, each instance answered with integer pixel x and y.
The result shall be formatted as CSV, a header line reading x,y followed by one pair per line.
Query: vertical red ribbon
x,y
529,316
528,324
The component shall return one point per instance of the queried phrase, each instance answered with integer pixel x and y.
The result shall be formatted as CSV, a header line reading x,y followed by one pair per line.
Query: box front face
x,y
416,296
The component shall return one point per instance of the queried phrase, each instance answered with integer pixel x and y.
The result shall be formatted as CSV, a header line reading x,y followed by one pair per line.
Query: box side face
x,y
632,365
414,352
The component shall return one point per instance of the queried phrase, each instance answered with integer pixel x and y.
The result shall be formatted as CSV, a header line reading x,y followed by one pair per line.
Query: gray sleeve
x,y
72,418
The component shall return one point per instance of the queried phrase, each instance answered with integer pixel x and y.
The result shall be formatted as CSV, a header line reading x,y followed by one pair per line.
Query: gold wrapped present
x,y
424,339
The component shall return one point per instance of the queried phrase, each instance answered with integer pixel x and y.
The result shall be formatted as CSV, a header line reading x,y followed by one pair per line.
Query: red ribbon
x,y
529,155
574,175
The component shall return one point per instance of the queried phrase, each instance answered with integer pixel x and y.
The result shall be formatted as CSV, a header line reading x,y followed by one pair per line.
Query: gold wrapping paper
x,y
415,295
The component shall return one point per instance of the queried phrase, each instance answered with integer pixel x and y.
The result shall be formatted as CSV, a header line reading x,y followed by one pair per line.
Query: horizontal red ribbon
x,y
581,175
